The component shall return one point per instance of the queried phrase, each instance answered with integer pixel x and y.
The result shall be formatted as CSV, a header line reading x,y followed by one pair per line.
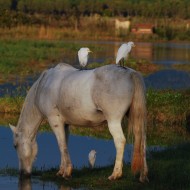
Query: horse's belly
x,y
85,119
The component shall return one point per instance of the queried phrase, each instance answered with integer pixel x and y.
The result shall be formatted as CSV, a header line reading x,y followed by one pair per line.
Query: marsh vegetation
x,y
34,40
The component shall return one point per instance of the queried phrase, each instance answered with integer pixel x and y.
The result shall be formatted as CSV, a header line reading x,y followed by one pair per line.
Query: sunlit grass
x,y
183,67
28,57
25,57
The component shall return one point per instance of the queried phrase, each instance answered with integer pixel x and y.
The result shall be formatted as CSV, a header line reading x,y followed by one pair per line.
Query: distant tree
x,y
5,5
14,4
76,8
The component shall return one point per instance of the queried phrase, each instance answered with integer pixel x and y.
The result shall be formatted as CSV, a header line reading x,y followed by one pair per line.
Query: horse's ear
x,y
13,128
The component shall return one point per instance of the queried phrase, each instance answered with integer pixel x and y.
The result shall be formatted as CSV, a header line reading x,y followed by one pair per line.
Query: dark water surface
x,y
48,156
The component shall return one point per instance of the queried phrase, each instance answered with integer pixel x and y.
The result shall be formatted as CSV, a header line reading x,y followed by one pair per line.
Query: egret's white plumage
x,y
123,51
83,55
92,158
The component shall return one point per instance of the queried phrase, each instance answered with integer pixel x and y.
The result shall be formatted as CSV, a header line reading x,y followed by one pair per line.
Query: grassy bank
x,y
24,57
168,169
168,112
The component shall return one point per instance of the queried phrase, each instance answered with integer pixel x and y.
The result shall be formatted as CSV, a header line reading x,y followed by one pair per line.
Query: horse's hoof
x,y
60,172
66,177
24,174
114,177
111,178
143,179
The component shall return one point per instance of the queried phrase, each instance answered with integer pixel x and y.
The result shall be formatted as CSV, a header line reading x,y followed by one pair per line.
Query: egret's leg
x,y
59,130
123,62
81,68
119,140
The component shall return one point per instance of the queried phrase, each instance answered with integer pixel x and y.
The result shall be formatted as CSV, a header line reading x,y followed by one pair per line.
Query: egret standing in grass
x,y
123,52
92,158
83,55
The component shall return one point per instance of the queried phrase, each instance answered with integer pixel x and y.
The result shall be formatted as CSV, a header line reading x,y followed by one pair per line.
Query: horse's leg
x,y
64,162
56,124
67,132
119,140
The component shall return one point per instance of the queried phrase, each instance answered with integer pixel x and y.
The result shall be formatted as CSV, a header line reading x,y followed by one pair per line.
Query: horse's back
x,y
85,96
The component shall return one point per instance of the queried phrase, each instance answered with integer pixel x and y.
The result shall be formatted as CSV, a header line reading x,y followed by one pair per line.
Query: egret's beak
x,y
134,45
90,51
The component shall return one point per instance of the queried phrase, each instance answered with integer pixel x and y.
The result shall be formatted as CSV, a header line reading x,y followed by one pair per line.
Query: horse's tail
x,y
137,124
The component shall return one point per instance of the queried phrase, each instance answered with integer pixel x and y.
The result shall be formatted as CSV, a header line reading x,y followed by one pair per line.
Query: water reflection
x,y
25,184
14,183
154,52
29,184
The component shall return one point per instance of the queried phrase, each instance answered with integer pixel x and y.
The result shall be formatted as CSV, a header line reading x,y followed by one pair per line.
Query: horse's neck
x,y
30,117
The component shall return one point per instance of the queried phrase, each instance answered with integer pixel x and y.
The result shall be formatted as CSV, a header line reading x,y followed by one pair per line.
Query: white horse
x,y
68,96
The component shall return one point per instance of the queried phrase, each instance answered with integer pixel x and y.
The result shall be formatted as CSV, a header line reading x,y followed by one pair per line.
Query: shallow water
x,y
48,153
49,156
13,183
168,79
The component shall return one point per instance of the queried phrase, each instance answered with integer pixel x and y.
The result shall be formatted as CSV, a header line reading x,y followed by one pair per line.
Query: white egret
x,y
92,158
123,52
83,55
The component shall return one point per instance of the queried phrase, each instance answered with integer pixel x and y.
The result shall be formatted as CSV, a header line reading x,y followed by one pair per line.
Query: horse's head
x,y
26,150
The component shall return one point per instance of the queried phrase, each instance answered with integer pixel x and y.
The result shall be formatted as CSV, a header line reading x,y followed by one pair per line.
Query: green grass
x,y
168,106
183,67
25,57
168,170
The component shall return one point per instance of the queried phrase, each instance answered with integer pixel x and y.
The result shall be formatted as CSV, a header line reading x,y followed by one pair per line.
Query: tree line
x,y
144,8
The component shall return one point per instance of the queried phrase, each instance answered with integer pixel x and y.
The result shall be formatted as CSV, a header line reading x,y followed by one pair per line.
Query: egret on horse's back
x,y
66,96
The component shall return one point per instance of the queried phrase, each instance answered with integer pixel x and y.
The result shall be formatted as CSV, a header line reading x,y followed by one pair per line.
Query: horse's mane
x,y
29,109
